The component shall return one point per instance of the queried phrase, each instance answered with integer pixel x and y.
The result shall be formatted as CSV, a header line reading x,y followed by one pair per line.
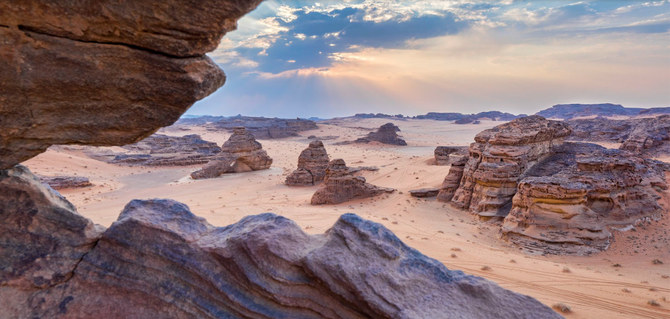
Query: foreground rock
x,y
160,259
386,134
260,127
240,153
160,150
63,182
60,59
498,159
340,186
569,201
312,164
445,155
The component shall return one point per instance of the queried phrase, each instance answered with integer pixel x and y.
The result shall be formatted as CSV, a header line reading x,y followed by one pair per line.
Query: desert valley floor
x,y
617,283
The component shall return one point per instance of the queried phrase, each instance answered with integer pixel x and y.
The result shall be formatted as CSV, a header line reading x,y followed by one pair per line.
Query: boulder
x,y
340,186
240,153
386,134
63,182
158,259
498,159
312,164
424,192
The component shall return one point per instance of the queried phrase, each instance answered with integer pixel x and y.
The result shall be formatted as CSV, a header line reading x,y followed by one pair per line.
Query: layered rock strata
x,y
312,164
260,127
453,179
569,201
339,185
498,159
63,182
240,153
160,259
386,134
65,63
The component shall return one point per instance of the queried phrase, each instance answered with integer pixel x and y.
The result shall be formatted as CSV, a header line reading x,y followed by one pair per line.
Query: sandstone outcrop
x,y
160,259
240,153
443,154
63,182
58,73
453,179
569,201
386,134
312,164
339,185
160,150
424,192
498,159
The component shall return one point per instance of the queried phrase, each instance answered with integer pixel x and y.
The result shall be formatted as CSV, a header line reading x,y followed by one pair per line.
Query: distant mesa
x,y
159,150
65,182
460,118
445,155
571,111
340,185
260,127
312,165
553,196
386,134
240,153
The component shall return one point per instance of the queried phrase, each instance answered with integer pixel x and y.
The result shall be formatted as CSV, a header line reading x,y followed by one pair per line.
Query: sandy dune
x,y
592,286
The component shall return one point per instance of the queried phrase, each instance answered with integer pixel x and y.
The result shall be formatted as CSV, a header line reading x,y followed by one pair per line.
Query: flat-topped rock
x,y
312,164
63,182
386,134
240,153
260,127
453,179
498,159
340,185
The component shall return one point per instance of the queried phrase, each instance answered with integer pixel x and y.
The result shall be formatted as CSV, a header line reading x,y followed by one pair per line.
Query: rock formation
x,y
312,164
62,182
386,134
64,63
498,159
240,153
568,202
555,197
160,150
160,259
424,192
443,154
260,127
339,185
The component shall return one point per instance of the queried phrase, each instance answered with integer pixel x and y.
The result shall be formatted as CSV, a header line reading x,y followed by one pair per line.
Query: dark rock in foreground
x,y
386,134
159,259
62,182
240,153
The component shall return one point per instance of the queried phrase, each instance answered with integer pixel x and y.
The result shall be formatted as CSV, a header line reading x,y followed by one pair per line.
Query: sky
x,y
336,58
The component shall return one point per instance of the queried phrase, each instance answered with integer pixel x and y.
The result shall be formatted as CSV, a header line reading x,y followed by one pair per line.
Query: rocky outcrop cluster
x,y
386,134
160,259
63,182
240,153
160,150
553,196
312,164
66,62
445,155
340,185
498,159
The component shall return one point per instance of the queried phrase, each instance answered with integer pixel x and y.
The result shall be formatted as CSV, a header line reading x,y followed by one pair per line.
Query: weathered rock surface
x,y
386,134
133,67
568,201
312,164
260,127
498,159
160,150
443,154
340,186
240,153
453,179
424,192
63,182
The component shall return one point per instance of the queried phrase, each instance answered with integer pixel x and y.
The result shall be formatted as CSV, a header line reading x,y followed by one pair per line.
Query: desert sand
x,y
618,283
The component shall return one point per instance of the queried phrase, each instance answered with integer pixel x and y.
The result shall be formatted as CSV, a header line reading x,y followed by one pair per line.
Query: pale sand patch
x,y
592,288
